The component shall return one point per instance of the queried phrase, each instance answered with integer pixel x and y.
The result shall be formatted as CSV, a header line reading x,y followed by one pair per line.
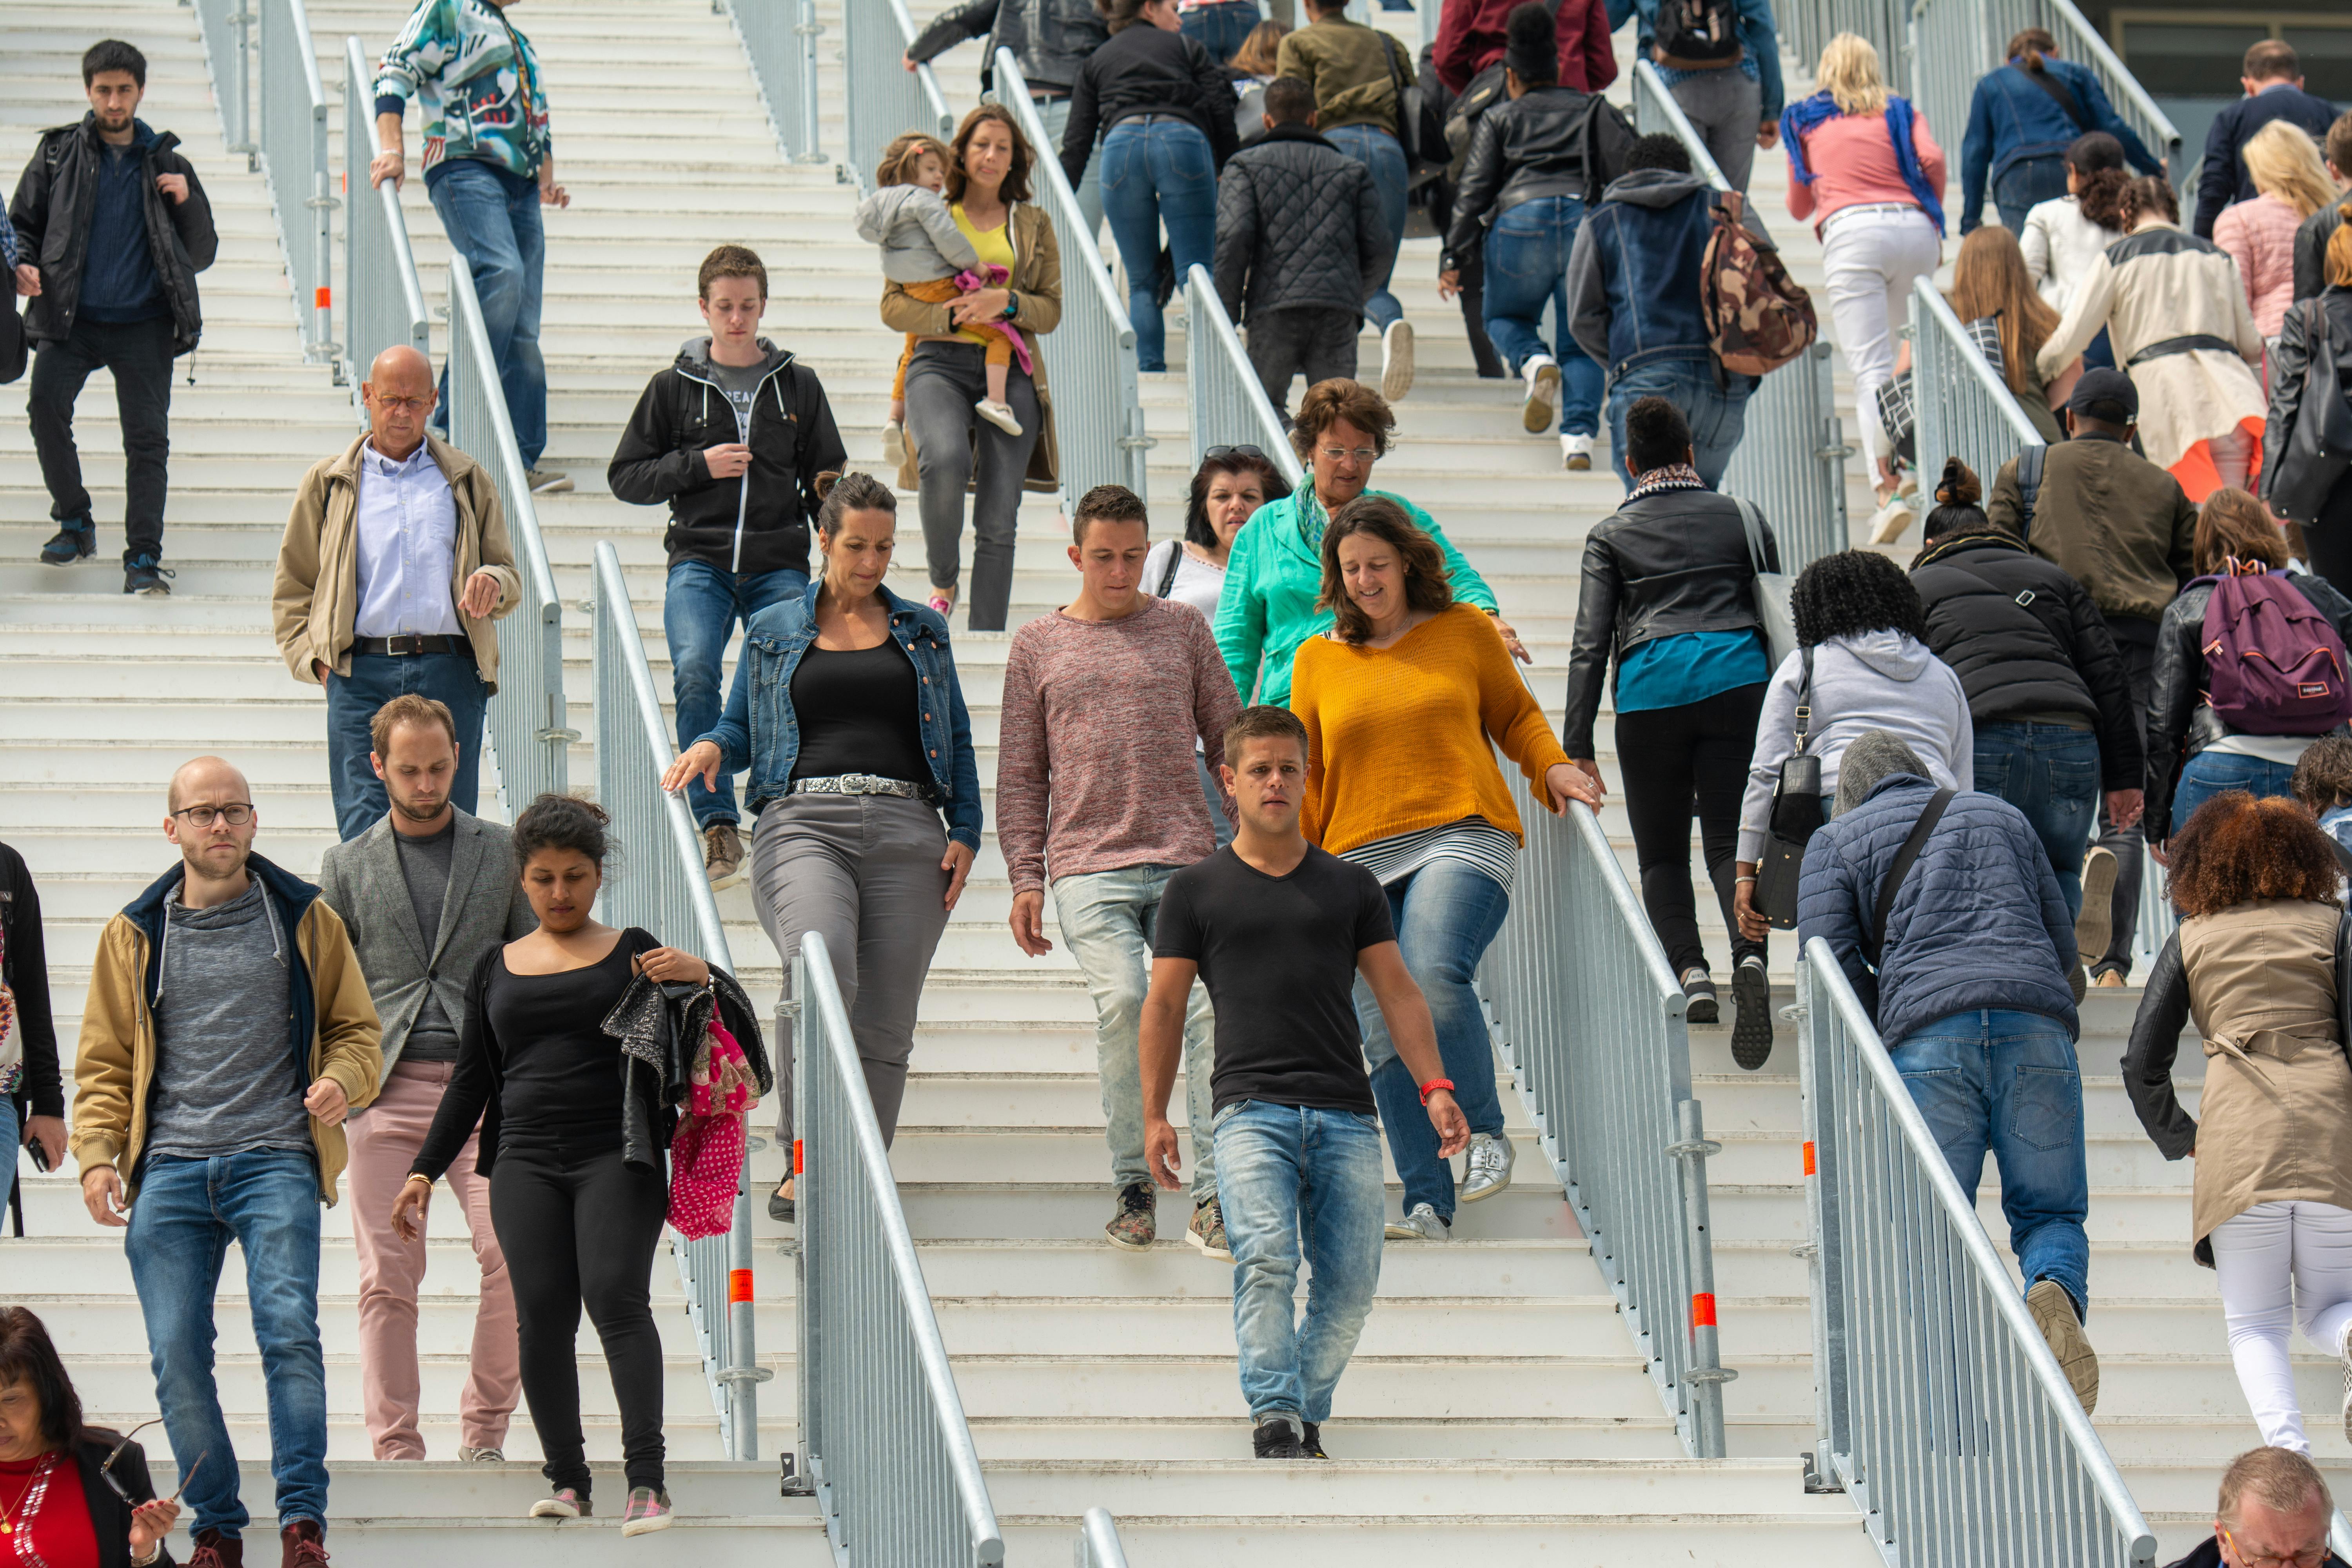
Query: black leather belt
x,y
412,642
2190,344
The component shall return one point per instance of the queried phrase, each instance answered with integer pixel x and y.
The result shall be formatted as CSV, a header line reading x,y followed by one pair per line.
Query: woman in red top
x,y
61,1503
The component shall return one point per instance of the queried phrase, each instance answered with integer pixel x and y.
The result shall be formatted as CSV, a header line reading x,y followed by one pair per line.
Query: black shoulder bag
x,y
1874,939
1796,817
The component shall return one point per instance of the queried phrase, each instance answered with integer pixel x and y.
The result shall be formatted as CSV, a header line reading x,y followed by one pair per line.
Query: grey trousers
x,y
956,449
1316,340
862,872
1725,108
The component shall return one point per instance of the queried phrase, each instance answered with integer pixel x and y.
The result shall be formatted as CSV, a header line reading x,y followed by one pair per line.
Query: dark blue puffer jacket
x,y
1980,921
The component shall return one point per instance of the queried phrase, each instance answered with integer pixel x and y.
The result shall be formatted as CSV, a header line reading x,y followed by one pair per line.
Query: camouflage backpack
x,y
1758,319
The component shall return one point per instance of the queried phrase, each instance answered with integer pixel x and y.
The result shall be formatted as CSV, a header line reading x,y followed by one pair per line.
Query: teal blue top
x,y
1691,666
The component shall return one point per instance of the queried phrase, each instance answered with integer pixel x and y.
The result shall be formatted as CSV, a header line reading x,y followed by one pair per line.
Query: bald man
x,y
394,564
227,1033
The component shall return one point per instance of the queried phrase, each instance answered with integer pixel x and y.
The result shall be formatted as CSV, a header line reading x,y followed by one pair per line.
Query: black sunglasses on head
x,y
1214,453
114,1482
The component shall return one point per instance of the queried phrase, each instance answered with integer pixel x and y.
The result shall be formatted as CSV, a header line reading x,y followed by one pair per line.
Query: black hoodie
x,y
754,524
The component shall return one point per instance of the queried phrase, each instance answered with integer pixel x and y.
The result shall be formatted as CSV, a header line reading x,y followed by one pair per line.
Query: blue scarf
x,y
1799,118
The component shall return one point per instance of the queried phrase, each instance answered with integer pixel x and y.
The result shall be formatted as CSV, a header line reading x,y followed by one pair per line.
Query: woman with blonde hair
x,y
2284,162
1863,166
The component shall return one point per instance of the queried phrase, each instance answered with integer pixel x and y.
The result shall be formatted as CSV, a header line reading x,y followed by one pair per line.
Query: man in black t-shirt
x,y
1278,930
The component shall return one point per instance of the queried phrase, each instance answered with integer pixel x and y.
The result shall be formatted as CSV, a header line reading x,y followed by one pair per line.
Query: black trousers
x,y
138,354
580,1229
2329,537
1317,342
1667,756
2136,640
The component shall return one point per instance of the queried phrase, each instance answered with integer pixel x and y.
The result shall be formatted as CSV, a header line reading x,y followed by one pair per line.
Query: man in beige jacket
x,y
393,566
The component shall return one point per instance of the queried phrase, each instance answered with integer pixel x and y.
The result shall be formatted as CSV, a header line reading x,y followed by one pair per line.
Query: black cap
x,y
2107,396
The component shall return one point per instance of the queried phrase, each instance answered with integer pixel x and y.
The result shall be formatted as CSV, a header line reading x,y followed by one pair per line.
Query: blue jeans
x,y
1291,1179
1222,29
1445,914
1156,169
700,604
2006,1081
11,1130
497,229
1218,822
1527,267
1381,152
1718,414
2209,773
451,678
187,1214
2051,772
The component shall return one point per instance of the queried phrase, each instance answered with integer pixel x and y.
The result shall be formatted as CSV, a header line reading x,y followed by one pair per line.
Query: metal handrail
x,y
1586,1009
383,298
1228,402
883,1428
1099,1544
1939,1407
1098,403
1655,112
780,36
293,146
658,885
883,97
1806,26
227,27
1964,408
528,733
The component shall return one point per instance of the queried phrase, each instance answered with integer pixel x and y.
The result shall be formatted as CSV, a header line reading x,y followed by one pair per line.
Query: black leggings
x,y
582,1228
2329,535
1665,756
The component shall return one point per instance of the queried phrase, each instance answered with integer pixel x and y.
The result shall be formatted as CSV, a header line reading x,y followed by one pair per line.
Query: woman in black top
x,y
577,1220
1165,113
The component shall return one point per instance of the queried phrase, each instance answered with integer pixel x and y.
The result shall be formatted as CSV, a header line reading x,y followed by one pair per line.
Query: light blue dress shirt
x,y
407,546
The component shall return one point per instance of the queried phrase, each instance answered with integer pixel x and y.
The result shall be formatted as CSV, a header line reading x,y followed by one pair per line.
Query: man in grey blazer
x,y
424,893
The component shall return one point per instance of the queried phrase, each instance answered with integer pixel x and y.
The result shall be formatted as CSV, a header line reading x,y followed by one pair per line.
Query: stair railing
x,y
1228,402
658,884
1963,408
1808,26
227,27
384,300
1097,402
1939,1408
883,1430
1098,1545
1586,1009
780,38
884,98
293,146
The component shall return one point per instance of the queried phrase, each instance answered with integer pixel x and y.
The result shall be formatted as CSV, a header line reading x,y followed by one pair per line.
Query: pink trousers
x,y
385,1139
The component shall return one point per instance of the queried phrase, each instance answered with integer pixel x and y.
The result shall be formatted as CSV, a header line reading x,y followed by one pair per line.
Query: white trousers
x,y
1871,256
2280,1262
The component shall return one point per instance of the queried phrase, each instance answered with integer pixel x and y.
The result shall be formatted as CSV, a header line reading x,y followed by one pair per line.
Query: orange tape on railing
x,y
326,297
1809,1156
796,1157
739,1286
1703,1309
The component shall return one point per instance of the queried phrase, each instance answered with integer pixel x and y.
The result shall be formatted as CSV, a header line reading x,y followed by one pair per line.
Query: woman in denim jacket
x,y
846,711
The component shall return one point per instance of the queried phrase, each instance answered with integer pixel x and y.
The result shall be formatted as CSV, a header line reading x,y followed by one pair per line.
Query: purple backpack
x,y
2273,664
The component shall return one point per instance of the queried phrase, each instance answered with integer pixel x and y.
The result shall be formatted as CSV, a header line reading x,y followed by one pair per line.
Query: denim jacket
x,y
2009,118
769,744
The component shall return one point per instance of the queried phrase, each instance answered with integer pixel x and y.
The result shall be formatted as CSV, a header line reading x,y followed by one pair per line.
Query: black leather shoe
x,y
780,1207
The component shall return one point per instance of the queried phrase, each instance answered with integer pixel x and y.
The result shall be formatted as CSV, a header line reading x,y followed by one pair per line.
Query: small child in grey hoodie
x,y
922,249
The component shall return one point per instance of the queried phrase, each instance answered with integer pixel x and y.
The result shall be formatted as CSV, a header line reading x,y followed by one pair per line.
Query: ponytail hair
x,y
561,822
2150,195
842,494
2029,46
1957,497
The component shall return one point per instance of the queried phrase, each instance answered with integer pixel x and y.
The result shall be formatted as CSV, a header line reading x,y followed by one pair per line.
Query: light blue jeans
x,y
187,1214
1299,1179
1381,154
1527,268
1718,414
1157,169
1107,916
11,1130
700,604
498,231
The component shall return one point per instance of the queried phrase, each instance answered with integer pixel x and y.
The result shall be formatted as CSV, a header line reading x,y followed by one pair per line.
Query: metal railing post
x,y
779,38
1964,408
293,146
1099,1544
1228,402
226,27
883,97
383,297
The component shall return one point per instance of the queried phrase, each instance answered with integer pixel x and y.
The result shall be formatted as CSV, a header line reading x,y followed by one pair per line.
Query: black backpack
x,y
1696,35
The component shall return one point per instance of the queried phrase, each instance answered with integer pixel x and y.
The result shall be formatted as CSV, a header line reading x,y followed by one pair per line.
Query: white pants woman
x,y
1872,255
2282,1264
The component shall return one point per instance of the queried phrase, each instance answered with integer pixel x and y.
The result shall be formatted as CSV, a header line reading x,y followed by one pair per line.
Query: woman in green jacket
x,y
1274,573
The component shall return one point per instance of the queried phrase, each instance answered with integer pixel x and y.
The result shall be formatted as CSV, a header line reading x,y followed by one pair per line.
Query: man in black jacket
x,y
2274,1509
1049,40
32,1094
112,228
2274,82
2311,239
2047,691
735,437
1300,247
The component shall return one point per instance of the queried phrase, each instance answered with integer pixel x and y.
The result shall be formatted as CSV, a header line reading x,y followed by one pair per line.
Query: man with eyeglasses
x,y
2275,1513
227,1033
394,564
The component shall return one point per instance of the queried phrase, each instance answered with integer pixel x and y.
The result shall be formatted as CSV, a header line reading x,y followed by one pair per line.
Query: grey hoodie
x,y
917,234
1879,680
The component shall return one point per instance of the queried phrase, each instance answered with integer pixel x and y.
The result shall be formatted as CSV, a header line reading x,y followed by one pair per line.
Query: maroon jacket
x,y
1470,39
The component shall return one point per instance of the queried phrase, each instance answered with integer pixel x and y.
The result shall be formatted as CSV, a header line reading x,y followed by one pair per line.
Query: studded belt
x,y
865,784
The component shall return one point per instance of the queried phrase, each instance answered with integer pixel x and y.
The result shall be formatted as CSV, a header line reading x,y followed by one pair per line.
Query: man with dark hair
x,y
2272,80
1050,40
1279,930
2275,1508
2124,529
1633,302
1096,787
111,227
2311,239
735,437
1300,247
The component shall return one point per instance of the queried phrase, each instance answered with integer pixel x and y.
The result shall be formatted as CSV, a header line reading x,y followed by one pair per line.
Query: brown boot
x,y
305,1544
215,1549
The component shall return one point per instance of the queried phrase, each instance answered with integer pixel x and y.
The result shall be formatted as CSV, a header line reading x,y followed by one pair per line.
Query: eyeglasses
x,y
1217,454
114,1483
1341,453
236,816
401,404
2311,1556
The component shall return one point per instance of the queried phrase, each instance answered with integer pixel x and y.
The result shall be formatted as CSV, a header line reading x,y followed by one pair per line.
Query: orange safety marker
x,y
797,1163
1703,1309
739,1286
1809,1156
326,298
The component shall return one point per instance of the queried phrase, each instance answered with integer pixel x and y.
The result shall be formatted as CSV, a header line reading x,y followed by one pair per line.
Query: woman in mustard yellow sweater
x,y
1404,700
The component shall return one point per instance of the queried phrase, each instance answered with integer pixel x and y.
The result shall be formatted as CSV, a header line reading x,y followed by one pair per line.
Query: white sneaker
x,y
1489,1168
894,445
1421,1224
999,415
1396,360
1893,521
1576,453
1542,408
480,1457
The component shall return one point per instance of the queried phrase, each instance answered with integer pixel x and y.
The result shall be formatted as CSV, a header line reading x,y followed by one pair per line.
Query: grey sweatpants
x,y
862,872
1725,108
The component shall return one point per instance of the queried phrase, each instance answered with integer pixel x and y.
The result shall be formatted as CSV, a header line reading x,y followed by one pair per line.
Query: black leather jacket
x,y
1049,39
1541,143
1665,564
2290,368
52,210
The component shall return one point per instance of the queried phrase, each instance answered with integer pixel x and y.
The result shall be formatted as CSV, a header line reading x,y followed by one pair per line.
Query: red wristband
x,y
1436,1083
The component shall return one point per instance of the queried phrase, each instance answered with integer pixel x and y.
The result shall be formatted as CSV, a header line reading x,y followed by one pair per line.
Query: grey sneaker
x,y
1207,1231
1700,1003
1421,1224
547,482
722,854
1751,1024
481,1457
2053,1314
1488,1171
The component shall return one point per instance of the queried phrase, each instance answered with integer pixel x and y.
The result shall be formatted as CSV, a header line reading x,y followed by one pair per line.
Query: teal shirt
x,y
1671,672
1274,576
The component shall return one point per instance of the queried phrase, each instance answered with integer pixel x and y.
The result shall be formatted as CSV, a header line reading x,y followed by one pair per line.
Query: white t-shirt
x,y
1198,583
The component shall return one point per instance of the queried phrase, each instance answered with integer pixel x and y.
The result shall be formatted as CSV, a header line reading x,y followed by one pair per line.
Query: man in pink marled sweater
x,y
1096,783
